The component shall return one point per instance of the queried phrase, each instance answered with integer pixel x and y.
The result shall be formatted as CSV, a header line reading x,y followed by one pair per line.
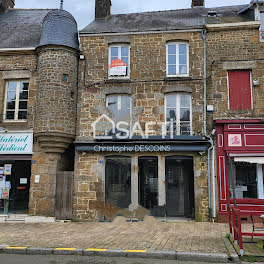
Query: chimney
x,y
5,5
102,9
197,3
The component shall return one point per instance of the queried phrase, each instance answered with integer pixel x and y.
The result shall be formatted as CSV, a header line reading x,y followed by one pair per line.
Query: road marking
x,y
133,250
96,249
65,248
15,247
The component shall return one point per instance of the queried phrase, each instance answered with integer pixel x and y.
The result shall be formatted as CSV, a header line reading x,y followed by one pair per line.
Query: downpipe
x,y
211,148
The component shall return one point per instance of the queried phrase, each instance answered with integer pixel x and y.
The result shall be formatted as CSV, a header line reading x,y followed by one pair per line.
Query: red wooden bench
x,y
244,207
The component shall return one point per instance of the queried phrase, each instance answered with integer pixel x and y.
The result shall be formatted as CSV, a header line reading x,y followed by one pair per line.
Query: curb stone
x,y
203,257
169,255
22,251
39,251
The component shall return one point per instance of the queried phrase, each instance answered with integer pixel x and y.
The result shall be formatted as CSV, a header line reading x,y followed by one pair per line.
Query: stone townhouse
x,y
39,53
162,67
145,69
235,65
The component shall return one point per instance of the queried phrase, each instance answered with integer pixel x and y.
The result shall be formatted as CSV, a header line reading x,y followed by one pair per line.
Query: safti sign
x,y
16,143
117,67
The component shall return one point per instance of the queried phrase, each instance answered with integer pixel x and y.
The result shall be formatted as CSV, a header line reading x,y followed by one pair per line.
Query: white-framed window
x,y
16,100
119,61
120,107
178,113
177,61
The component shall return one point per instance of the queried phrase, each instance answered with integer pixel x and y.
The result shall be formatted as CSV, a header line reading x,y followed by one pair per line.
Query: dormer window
x,y
211,14
119,60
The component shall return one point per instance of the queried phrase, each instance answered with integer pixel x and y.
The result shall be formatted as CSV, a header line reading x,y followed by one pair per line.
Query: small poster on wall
x,y
7,169
5,194
1,170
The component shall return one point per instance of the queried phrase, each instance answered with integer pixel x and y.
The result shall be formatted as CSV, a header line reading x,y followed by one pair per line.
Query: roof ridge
x,y
30,9
182,9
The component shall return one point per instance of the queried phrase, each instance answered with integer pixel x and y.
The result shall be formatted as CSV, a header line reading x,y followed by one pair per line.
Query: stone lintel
x,y
117,90
23,74
177,88
239,65
117,39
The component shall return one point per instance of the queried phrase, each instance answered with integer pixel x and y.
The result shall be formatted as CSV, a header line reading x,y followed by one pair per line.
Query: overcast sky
x,y
83,10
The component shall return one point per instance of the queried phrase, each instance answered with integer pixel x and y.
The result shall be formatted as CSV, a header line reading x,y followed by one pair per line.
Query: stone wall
x,y
51,114
147,86
18,66
90,183
234,49
42,194
56,99
148,83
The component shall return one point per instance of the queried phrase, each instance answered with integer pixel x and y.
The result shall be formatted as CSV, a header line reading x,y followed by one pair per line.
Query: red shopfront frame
x,y
236,138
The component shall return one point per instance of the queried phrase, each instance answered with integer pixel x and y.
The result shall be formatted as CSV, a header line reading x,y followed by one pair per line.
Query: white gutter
x,y
16,49
236,24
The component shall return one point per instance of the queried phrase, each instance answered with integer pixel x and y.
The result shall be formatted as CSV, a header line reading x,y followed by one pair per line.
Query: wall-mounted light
x,y
256,82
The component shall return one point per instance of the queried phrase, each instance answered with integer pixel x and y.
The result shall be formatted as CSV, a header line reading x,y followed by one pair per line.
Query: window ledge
x,y
179,78
118,81
14,121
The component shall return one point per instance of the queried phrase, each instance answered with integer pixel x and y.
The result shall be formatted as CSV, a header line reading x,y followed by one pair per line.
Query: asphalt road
x,y
52,259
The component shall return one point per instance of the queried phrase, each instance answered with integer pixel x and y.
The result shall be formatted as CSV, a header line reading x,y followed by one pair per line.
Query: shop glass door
x,y
118,181
179,186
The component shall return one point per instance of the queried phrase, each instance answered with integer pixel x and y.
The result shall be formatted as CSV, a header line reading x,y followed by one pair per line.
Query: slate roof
x,y
182,19
59,28
21,28
24,28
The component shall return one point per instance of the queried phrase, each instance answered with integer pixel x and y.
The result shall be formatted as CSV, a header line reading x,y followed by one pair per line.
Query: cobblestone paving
x,y
149,235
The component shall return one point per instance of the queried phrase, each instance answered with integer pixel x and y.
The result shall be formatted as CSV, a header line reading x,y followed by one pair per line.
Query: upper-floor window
x,y
120,107
240,90
178,114
16,101
119,60
177,59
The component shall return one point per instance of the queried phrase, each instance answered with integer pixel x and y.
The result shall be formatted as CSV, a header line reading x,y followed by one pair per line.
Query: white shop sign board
x,y
16,142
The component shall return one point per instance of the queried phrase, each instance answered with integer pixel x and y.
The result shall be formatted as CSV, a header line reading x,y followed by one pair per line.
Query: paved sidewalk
x,y
147,235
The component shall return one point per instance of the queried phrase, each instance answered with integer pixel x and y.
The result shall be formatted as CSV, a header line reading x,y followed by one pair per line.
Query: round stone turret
x,y
57,82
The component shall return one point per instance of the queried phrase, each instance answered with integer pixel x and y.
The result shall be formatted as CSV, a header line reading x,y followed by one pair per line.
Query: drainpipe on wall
x,y
203,33
213,176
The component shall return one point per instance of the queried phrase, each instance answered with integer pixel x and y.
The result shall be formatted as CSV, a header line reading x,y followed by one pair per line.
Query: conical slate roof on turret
x,y
59,28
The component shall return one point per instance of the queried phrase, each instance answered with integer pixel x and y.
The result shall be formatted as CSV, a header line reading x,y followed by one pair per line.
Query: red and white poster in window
x,y
118,67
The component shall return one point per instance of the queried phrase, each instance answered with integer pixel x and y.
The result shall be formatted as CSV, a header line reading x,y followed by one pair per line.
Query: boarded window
x,y
239,90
